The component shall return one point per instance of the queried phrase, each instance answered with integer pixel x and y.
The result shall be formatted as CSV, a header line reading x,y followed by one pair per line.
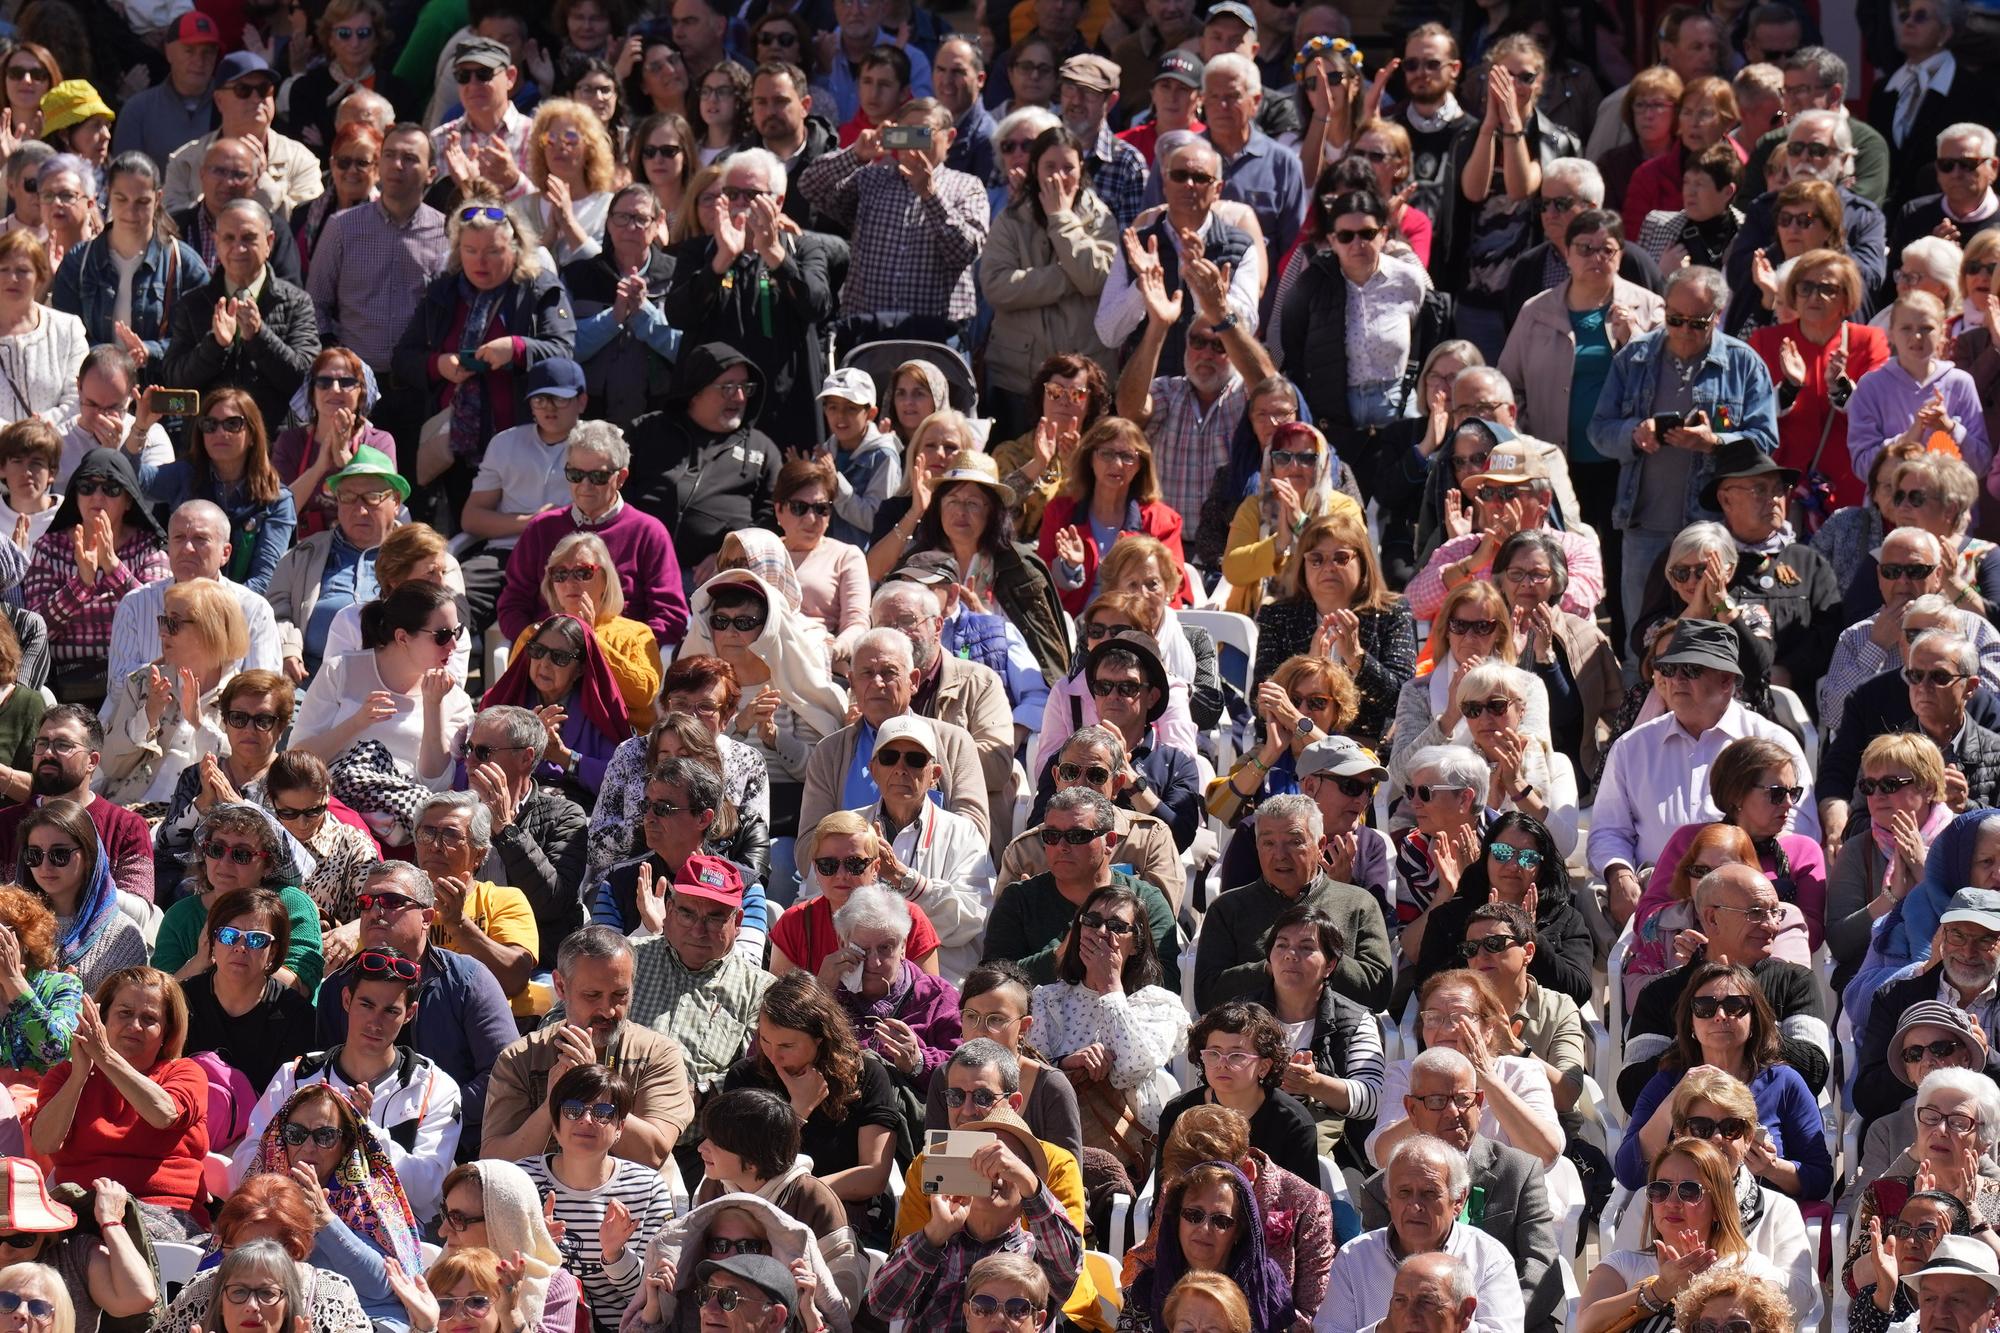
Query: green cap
x,y
370,462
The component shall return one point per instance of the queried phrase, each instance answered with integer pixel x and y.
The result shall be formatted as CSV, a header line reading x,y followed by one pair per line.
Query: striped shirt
x,y
1191,445
912,254
609,1287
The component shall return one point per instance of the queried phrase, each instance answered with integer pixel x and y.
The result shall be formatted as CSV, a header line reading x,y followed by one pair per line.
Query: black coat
x,y
1918,218
535,310
1564,949
1634,265
626,379
269,367
1878,1084
1879,705
1914,161
284,260
1864,229
701,485
1797,618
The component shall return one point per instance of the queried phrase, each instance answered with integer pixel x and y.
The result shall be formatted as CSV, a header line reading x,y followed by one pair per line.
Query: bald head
x,y
1739,912
197,541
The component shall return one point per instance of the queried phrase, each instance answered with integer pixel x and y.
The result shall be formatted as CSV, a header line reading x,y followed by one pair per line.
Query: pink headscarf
x,y
596,688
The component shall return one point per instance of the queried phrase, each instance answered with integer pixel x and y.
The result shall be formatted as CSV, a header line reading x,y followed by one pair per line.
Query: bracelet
x,y
1262,767
1648,1302
1509,134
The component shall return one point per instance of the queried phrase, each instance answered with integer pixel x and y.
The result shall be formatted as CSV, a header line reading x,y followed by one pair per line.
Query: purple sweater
x,y
1886,400
648,571
928,1004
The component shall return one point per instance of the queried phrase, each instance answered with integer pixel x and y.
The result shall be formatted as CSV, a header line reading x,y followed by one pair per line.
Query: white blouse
x,y
344,683
1143,1031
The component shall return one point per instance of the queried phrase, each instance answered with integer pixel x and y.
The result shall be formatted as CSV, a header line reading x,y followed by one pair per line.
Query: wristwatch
x,y
1305,726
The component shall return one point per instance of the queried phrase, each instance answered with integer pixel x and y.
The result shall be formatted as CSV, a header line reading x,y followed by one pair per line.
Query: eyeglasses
x,y
1756,916
22,1240
561,138
743,624
324,1136
1818,152
599,476
374,963
237,719
254,940
1109,924
1978,268
1943,1050
479,72
388,904
1825,291
1014,1308
1688,1191
1426,792
1930,1118
1923,1232
604,1113
1375,155
1075,837
289,815
482,213
567,573
32,857
1477,708
776,36
833,865
357,499
235,852
654,152
1936,677
984,1098
1888,786
237,1293
1307,458
810,508
1187,176
561,658
43,745
1985,941
1906,571
1124,689
1348,786
1034,69
1095,774
1731,1128
1312,703
28,74
1431,65
252,91
432,836
1196,1217
1448,1101
725,1299
110,490
478,1305
1500,494
1494,944
336,381
171,625
627,218
1909,499
1525,77
1508,855
1349,235
1730,1006
1473,462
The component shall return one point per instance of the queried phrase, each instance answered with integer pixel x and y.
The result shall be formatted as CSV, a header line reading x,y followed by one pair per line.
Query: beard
x,y
49,782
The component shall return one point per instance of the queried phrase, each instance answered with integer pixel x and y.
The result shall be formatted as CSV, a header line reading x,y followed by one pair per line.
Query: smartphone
x,y
948,1157
906,136
173,402
1666,421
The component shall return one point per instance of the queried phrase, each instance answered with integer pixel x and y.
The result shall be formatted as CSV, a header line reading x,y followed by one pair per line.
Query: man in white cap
x,y
1956,1291
867,460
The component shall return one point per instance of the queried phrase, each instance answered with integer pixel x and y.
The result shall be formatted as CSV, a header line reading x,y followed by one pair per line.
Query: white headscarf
x,y
514,1222
792,645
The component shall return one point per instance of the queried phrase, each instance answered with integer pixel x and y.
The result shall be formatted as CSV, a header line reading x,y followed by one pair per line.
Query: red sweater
x,y
126,841
109,1138
1801,429
1157,519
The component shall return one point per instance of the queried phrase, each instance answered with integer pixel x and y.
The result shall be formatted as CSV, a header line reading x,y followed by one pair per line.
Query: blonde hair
x,y
942,419
1134,548
599,162
1769,1309
213,616
1843,271
1725,1228
1911,750
457,223
53,1289
841,823
408,546
587,546
1707,1084
1981,249
1017,1268
1301,671
1214,1287
1492,606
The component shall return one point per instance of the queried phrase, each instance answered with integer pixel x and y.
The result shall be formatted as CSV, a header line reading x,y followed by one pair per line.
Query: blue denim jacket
x,y
1733,387
87,287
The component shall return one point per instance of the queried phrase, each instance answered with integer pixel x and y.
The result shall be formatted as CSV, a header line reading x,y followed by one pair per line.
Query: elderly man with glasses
x,y
1092,757
1819,145
1947,1013
1963,203
1570,185
1909,573
1815,79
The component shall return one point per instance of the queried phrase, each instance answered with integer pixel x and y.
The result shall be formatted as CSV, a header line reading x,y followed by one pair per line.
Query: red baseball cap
x,y
196,27
711,877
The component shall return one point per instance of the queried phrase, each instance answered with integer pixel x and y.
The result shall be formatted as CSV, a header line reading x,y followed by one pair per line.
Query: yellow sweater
x,y
1250,556
633,655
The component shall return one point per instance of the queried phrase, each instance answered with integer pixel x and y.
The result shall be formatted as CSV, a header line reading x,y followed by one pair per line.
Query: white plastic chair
x,y
1789,711
1103,1270
178,1262
1614,1049
429,1253
677,1190
499,651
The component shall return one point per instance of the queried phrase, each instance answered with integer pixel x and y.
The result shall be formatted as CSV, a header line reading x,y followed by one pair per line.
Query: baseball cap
x,y
1231,9
908,727
711,877
1508,465
1981,907
1091,72
849,384
239,65
768,1275
929,568
194,28
558,377
1342,756
482,51
1180,66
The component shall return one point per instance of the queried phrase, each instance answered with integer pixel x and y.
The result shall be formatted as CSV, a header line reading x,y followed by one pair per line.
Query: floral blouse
x,y
1143,1031
36,1028
342,855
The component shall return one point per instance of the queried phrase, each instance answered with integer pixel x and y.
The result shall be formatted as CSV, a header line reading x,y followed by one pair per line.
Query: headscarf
x,y
933,379
1253,1270
114,466
680,1243
764,555
789,645
291,867
364,1191
301,404
1314,502
514,1224
96,908
596,689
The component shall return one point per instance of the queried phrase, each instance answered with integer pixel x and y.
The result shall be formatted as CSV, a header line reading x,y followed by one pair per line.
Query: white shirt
x,y
1122,308
158,451
527,473
1523,1075
1656,779
339,689
1381,315
1363,1278
38,524
135,631
952,856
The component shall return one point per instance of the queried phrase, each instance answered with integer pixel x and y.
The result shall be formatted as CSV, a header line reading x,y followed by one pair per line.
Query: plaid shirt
x,y
79,614
1191,446
926,1284
712,1013
911,255
1118,174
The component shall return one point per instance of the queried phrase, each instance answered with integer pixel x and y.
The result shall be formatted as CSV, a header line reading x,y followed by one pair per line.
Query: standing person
x,y
176,110
1431,113
246,102
124,282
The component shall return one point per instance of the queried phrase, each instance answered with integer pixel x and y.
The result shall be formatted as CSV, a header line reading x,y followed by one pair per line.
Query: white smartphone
x,y
948,1157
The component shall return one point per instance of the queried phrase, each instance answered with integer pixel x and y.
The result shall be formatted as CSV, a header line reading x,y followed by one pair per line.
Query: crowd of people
x,y
811,664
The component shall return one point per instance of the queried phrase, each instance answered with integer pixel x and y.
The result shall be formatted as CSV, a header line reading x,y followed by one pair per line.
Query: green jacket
x,y
1031,916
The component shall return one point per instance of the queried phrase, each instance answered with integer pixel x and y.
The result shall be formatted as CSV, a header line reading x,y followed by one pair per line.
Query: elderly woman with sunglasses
x,y
1473,626
1724,1022
566,679
1956,1116
240,846
1902,782
166,717
1929,1035
1297,481
1305,701
1524,772
255,708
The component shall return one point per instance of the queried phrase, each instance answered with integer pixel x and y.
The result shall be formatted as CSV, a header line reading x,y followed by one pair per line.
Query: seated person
x,y
733,1234
683,799
1964,962
1500,945
47,1003
1189,1243
1956,1117
1306,700
270,1209
1094,757
563,673
539,843
236,1006
1965,854
1460,1010
300,793
1568,653
242,847
994,1006
1723,1021
750,1145
842,853
1902,788
62,861
1069,704
1695,578
493,1205
489,923
906,1015
1241,1053
1908,573
261,703
1446,797
334,569
1429,1182
166,717
1903,1244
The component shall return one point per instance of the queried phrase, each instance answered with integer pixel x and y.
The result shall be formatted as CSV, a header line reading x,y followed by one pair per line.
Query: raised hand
x,y
1070,546
87,567
652,894
451,895
12,973
159,693
1371,101
615,1231
837,965
949,1214
1336,853
362,1095
189,695
415,1294
918,173
379,706
1687,943
1210,284
134,346
489,782
557,1228
433,686
249,319
1457,518
108,1205
458,163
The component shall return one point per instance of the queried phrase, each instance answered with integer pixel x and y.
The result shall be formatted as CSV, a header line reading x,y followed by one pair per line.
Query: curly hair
x,y
1769,1309
1096,385
246,822
269,1199
599,164
796,1001
34,927
1299,674
1267,1035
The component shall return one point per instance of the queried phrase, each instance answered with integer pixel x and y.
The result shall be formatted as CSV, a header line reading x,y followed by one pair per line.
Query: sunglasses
x,y
1197,1217
1562,203
288,815
1349,786
110,490
1202,342
1429,66
1894,572
1308,458
1428,791
725,1299
1100,629
1075,837
336,382
1936,677
1124,689
1943,1050
377,964
1109,924
721,1246
604,1113
810,508
246,92
1183,176
742,624
915,760
22,1240
12,1302
984,1098
1095,774
447,635
1731,1006
1884,786
661,809
833,865
653,152
1015,1308
478,1305
1679,671
1904,499
479,72
1476,708
224,425
562,658
1778,795
235,852
1818,152
253,940
1458,626
1376,155
1731,1128
1979,268
32,857
1825,291
295,1134
1509,855
388,904
600,476
1950,165
1695,322
1499,494
1495,944
238,719
1016,145
171,625
353,34
1312,703
1349,235
1688,1191
480,754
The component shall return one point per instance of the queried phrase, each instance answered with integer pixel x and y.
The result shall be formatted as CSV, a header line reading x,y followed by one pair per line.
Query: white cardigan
x,y
38,369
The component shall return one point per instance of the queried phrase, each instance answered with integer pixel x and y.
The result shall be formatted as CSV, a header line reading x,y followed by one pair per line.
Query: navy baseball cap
x,y
558,377
241,65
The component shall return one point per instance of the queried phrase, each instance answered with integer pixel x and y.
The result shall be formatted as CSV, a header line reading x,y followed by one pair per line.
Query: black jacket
x,y
1797,616
1282,1127
269,367
1338,1026
821,138
1918,218
1879,705
536,310
773,317
704,486
1913,169
1634,265
627,378
543,854
1863,227
1564,949
1171,774
284,260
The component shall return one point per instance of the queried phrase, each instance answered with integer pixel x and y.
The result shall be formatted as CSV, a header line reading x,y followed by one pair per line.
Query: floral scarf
x,y
364,1191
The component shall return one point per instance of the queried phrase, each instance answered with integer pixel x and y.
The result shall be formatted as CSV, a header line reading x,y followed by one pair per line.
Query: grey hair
x,y
594,943
1295,808
1939,257
1705,539
1843,137
519,726
1952,14
1906,533
1453,1271
873,907
255,210
1934,604
1585,180
1082,800
702,784
86,175
1097,734
1825,66
1538,539
32,153
367,107
1033,119
1491,675
763,159
601,437
891,641
986,1053
1426,1150
1456,765
1714,291
1972,1084
1443,1061
1968,129
1240,66
1496,384
257,1258
479,832
407,873
904,590
1955,646
207,510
